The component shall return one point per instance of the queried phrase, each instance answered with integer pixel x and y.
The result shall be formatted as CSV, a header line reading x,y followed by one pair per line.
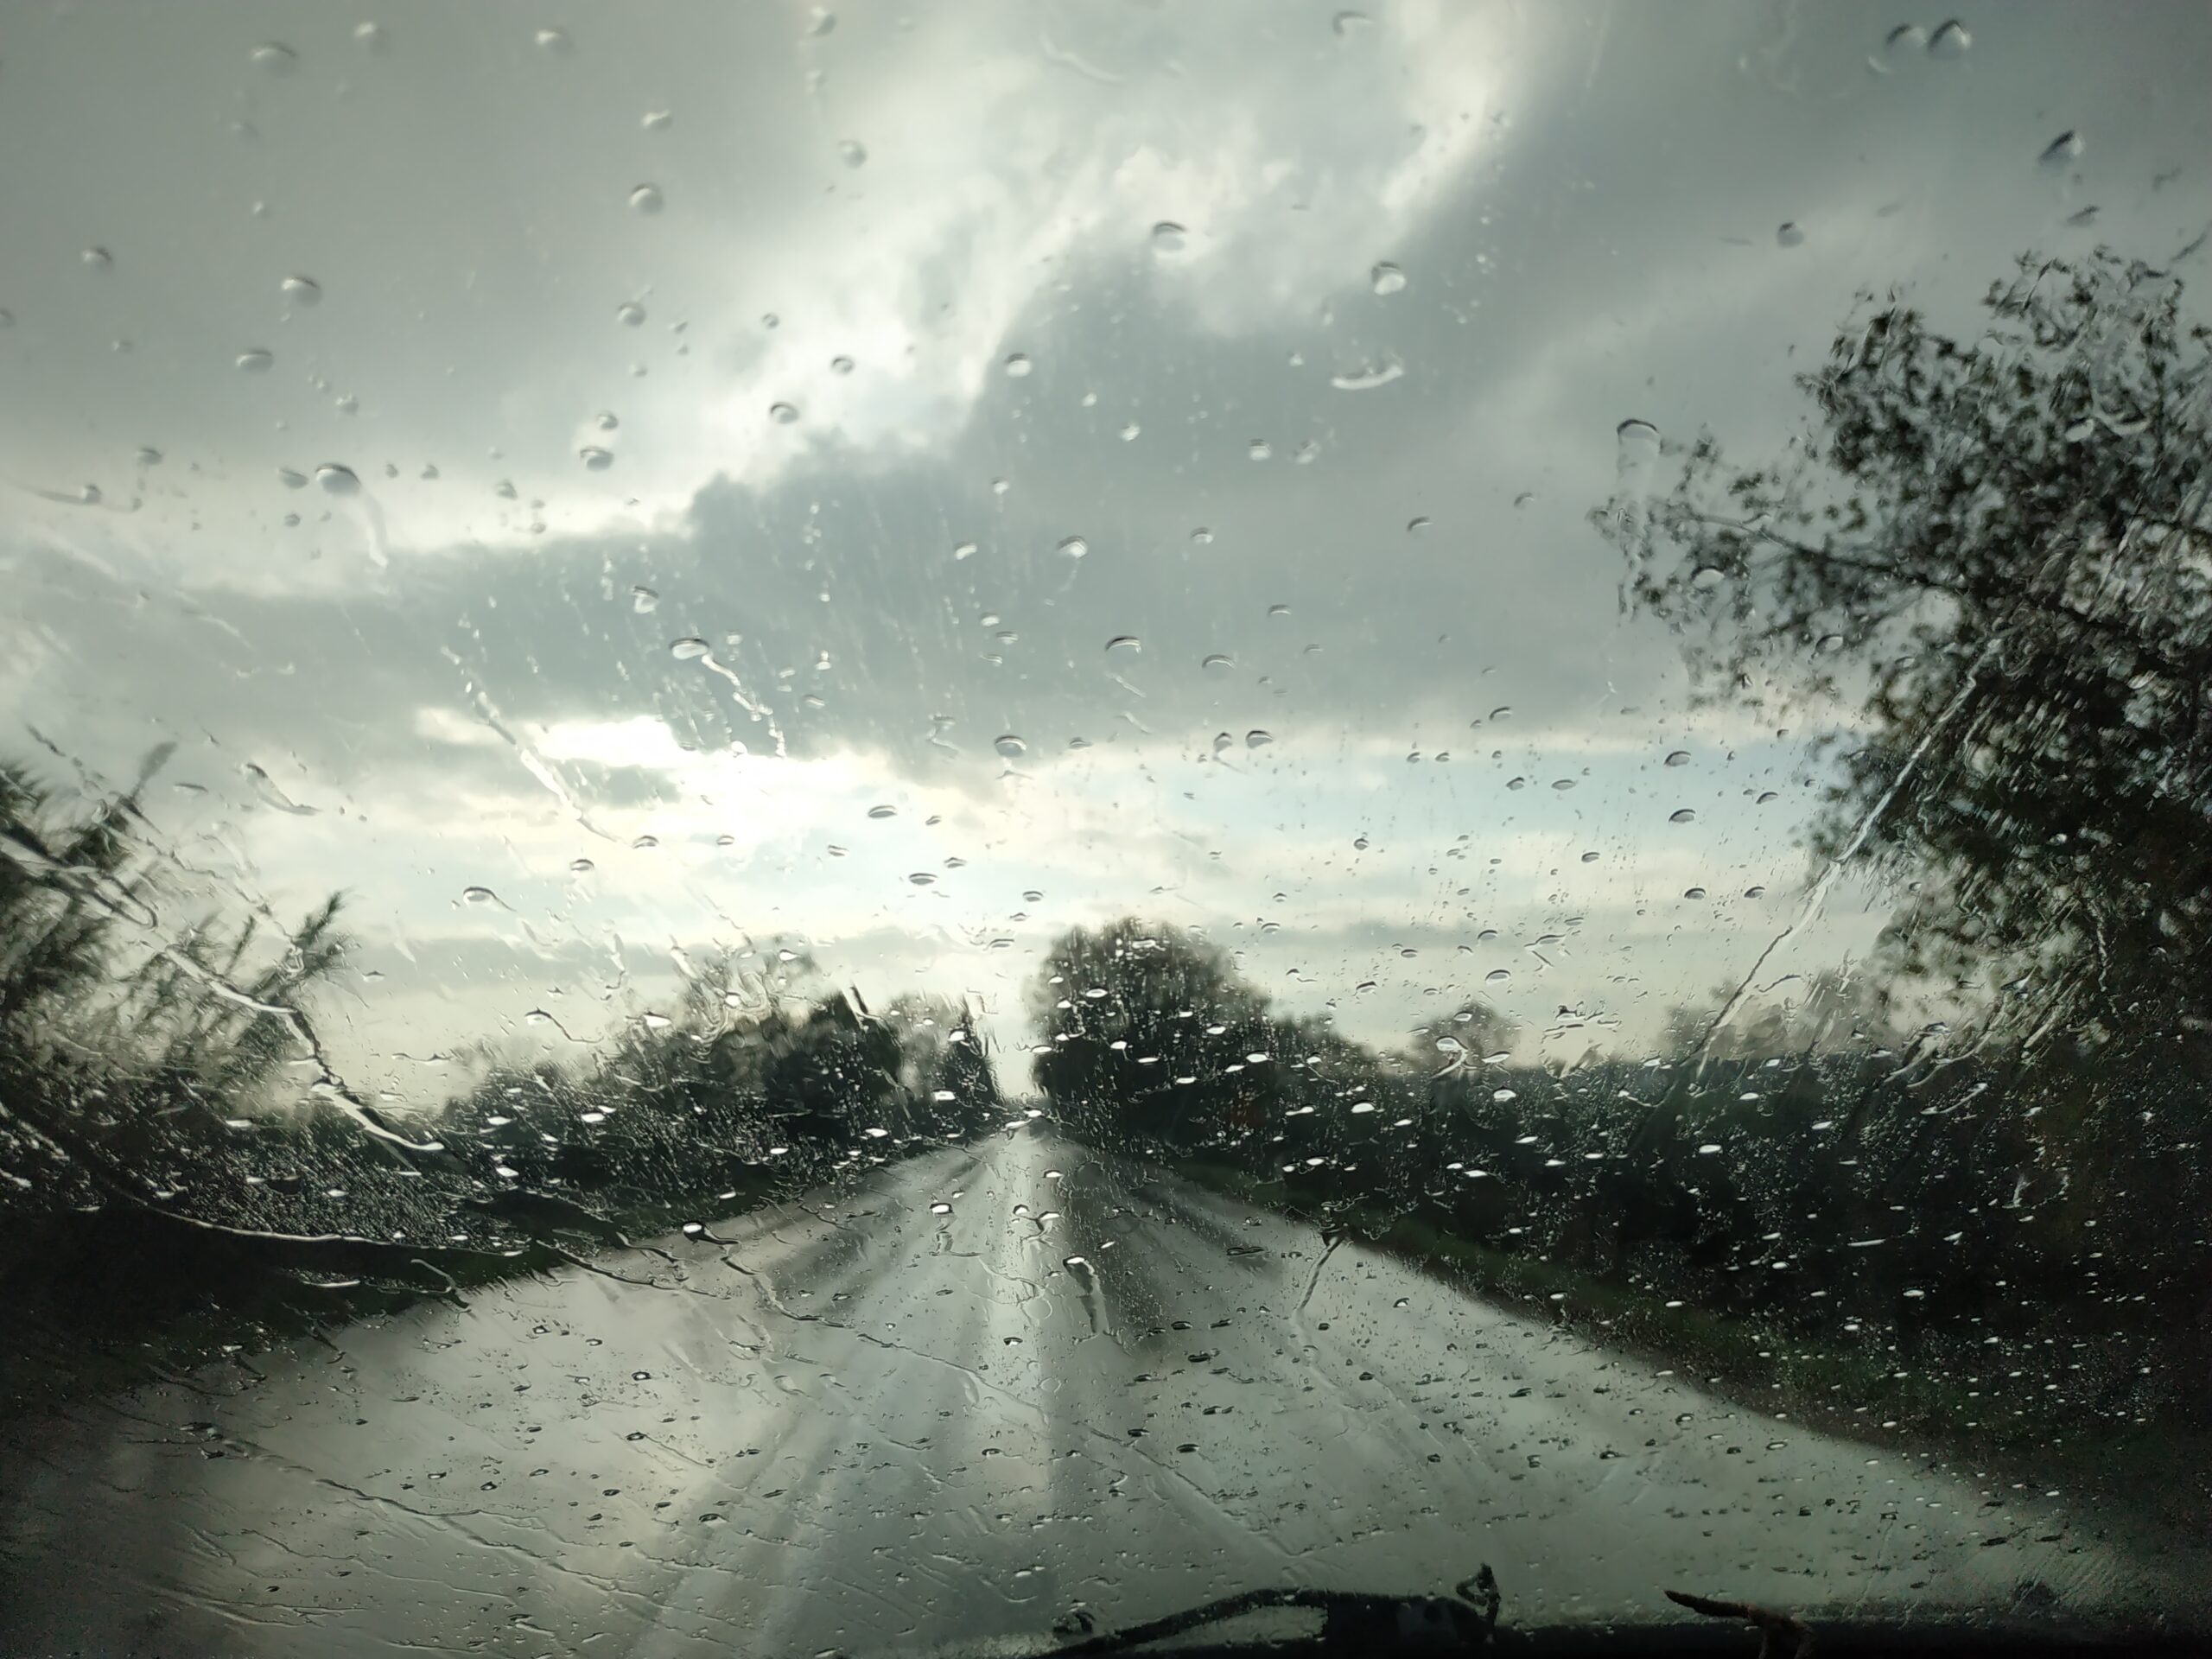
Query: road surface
x,y
991,1384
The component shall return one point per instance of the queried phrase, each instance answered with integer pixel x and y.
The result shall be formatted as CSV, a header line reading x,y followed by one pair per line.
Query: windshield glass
x,y
853,828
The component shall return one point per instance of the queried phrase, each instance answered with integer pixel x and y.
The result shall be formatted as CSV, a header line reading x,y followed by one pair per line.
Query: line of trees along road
x,y
178,1164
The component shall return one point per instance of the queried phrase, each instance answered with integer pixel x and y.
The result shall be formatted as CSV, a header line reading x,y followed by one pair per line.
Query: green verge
x,y
1867,1396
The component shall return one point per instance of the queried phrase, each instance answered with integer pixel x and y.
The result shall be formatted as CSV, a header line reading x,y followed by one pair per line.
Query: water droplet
x,y
1009,745
98,259
783,414
1125,642
923,879
595,458
1415,526
630,314
2063,149
1348,24
1562,783
1951,40
1789,236
1260,449
1387,279
1693,893
1708,576
1679,757
940,1209
884,811
479,896
301,290
1682,814
1129,431
292,479
656,120
689,649
338,480
643,600
820,20
256,361
275,58
580,867
852,152
553,40
647,199
372,35
1219,659
1075,547
1168,237
645,843
1498,975
840,365
1257,739
1201,537
1018,364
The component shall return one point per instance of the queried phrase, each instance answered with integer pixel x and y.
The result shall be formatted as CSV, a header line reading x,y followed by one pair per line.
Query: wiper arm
x,y
1350,1622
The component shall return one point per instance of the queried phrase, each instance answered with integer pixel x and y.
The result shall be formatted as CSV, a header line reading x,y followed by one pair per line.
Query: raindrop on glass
x,y
1387,279
2063,149
646,199
256,361
1018,364
1010,745
301,290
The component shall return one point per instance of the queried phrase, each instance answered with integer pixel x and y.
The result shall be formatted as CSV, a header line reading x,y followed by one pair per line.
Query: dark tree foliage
x,y
1999,548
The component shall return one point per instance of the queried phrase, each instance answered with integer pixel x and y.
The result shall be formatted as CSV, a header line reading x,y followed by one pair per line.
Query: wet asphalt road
x,y
865,1423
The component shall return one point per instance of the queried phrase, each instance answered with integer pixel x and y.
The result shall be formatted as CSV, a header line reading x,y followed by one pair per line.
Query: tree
x,y
1146,1030
1999,547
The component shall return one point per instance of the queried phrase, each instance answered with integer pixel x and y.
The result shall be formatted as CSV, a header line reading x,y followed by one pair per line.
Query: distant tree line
x,y
1818,1171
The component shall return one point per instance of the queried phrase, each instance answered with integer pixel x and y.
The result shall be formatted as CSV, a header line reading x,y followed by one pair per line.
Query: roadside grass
x,y
1866,1392
105,1301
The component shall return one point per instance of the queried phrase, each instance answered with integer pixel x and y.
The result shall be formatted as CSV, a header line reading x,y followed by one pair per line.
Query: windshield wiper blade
x,y
1350,1622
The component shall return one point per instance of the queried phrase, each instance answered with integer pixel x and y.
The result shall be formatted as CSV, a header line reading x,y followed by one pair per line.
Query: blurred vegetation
x,y
1989,563
179,1168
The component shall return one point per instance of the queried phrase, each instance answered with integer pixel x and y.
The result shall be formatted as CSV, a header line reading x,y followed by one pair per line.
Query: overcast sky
x,y
745,419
